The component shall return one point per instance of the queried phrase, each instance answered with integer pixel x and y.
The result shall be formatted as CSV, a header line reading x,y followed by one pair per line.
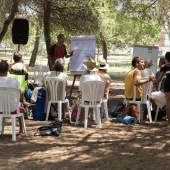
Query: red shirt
x,y
59,52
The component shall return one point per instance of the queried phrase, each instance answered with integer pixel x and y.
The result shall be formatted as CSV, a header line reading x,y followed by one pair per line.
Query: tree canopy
x,y
116,23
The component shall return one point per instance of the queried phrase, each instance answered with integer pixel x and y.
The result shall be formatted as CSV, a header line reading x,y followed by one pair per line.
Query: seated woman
x,y
18,68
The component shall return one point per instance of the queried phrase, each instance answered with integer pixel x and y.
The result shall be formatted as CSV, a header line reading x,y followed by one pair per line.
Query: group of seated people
x,y
140,75
94,71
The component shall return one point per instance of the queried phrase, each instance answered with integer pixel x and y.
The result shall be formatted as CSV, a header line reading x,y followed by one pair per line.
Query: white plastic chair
x,y
52,84
95,90
106,79
9,101
146,90
159,88
39,73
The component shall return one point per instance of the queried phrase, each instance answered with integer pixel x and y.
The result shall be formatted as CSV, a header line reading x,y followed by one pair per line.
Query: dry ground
x,y
115,146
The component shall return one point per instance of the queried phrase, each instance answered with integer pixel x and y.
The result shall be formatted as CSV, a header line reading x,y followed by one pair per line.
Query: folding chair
x,y
95,92
146,90
9,103
39,73
53,86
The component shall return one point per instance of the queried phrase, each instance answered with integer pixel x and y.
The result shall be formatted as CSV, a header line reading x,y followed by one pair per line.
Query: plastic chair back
x,y
92,97
39,73
9,100
56,88
95,92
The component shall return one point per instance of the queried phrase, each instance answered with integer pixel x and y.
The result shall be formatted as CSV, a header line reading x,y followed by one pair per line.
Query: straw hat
x,y
90,64
102,64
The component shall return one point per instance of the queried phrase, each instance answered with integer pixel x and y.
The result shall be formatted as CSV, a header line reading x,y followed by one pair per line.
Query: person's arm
x,y
21,96
138,80
69,55
157,80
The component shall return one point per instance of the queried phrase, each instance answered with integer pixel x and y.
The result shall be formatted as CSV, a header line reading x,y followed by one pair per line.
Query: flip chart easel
x,y
82,47
75,75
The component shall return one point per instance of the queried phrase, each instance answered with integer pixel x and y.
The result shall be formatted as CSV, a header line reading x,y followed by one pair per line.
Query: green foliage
x,y
120,23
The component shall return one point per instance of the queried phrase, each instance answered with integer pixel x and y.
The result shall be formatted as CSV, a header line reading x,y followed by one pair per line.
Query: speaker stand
x,y
18,47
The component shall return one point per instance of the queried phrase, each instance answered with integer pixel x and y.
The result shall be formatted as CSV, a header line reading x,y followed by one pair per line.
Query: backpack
x,y
54,128
119,108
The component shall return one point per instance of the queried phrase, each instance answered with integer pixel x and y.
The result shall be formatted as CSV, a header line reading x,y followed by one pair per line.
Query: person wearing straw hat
x,y
92,67
103,66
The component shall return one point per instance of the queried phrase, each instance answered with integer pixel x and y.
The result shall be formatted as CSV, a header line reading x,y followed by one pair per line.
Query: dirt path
x,y
115,146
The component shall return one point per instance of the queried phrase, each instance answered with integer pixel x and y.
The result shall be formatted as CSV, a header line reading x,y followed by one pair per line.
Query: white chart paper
x,y
83,47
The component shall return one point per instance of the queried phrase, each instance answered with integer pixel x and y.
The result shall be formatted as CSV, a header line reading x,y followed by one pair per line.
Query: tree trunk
x,y
35,51
47,31
37,42
10,18
104,46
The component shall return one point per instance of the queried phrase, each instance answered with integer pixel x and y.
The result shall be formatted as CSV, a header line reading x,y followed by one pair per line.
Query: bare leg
x,y
82,115
64,108
167,96
20,125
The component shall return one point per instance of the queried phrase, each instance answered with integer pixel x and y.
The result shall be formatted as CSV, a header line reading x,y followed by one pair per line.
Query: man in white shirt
x,y
9,82
91,66
58,72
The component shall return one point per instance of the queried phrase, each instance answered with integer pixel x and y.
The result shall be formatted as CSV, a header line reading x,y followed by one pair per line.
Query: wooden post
x,y
72,85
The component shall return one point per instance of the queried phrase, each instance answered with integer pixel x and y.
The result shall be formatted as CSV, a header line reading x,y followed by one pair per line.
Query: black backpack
x,y
54,128
118,109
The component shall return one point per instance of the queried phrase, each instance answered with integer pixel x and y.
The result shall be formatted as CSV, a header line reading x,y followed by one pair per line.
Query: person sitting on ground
x,y
91,67
10,82
134,78
165,69
146,72
58,73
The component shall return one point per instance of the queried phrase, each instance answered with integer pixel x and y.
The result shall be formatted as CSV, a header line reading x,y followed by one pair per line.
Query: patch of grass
x,y
117,74
120,65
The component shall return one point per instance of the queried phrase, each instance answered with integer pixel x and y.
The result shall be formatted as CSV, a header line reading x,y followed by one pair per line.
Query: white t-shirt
x,y
146,72
10,82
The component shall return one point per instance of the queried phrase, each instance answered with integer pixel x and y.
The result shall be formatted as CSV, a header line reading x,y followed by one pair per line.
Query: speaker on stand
x,y
20,31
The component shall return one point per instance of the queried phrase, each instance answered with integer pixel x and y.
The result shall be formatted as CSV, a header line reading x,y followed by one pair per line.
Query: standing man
x,y
57,50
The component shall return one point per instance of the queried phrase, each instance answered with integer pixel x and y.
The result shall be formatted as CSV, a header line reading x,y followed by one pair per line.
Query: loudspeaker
x,y
20,31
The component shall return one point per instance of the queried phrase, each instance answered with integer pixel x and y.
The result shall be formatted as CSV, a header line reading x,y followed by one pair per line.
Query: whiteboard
x,y
147,52
83,47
